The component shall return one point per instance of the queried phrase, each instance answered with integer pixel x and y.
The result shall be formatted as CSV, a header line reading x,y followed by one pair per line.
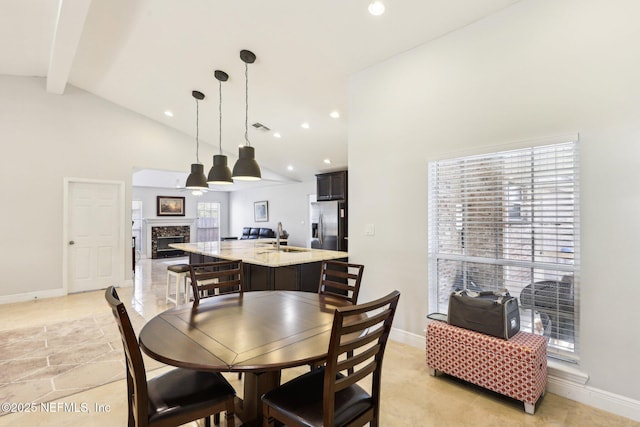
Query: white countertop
x,y
259,252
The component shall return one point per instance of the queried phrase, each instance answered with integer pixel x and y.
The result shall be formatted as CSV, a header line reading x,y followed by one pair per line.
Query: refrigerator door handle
x,y
320,229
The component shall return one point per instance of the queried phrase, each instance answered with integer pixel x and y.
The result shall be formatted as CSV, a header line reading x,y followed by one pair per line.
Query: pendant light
x,y
246,168
196,179
220,173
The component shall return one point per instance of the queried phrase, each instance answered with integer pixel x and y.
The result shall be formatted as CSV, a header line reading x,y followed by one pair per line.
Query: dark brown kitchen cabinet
x,y
331,186
299,277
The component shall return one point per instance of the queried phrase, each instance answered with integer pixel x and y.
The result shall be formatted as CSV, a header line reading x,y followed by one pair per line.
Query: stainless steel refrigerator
x,y
328,225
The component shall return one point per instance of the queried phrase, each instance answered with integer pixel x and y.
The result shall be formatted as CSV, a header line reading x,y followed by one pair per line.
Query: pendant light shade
x,y
246,168
196,179
220,173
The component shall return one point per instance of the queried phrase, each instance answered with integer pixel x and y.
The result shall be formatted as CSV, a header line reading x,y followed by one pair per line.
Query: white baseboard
x,y
409,338
601,399
557,383
31,296
48,293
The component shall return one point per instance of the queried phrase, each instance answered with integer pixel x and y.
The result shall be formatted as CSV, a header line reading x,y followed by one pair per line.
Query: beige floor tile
x,y
22,349
88,374
8,337
47,373
13,370
20,391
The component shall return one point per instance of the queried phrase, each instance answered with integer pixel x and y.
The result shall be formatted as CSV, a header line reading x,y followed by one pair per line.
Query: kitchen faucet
x,y
278,233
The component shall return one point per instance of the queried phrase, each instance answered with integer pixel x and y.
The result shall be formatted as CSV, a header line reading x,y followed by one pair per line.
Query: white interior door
x,y
95,239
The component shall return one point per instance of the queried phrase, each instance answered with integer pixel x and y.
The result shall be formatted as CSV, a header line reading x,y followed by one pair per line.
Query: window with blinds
x,y
510,220
136,219
208,222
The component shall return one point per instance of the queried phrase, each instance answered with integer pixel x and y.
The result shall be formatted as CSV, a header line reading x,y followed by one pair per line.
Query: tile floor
x,y
410,397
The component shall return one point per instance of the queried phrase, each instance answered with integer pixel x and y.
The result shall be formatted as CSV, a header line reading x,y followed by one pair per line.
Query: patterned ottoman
x,y
516,367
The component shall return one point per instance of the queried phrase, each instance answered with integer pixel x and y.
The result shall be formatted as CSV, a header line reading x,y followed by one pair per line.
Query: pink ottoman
x,y
516,367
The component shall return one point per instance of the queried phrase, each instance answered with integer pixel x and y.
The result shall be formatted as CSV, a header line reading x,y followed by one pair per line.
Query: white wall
x,y
288,204
539,68
47,137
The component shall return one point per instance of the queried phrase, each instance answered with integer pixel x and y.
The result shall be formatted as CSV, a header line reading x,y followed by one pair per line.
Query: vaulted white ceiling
x,y
148,55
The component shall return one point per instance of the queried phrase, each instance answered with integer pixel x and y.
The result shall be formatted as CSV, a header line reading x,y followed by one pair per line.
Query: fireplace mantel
x,y
166,222
169,221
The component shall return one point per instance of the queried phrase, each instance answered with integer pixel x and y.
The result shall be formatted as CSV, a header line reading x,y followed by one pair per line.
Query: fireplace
x,y
162,237
163,249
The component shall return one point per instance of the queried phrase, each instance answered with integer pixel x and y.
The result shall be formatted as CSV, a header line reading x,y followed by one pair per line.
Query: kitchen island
x,y
265,266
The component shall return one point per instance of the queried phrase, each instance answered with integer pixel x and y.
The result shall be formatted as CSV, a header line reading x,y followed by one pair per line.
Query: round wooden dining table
x,y
257,333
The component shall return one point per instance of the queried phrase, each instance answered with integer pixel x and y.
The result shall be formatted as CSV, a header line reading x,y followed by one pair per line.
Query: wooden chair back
x,y
341,279
356,349
137,392
216,278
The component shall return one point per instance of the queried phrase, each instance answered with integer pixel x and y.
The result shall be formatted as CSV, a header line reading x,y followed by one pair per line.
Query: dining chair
x,y
330,396
341,279
216,278
173,398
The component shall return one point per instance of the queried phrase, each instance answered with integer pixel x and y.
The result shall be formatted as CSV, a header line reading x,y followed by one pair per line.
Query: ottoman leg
x,y
529,408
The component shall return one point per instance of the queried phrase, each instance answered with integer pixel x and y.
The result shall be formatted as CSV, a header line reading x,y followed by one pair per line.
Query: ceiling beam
x,y
72,15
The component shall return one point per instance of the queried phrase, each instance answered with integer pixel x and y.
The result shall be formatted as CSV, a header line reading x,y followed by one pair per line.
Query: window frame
x,y
199,210
512,195
137,217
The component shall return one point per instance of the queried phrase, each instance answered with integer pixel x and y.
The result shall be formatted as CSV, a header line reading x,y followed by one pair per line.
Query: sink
x,y
286,249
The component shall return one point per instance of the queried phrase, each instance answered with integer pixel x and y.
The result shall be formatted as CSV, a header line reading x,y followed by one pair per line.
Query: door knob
x,y
71,242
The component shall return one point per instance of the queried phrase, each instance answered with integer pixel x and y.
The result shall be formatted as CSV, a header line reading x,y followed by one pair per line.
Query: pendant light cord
x,y
220,113
246,104
197,131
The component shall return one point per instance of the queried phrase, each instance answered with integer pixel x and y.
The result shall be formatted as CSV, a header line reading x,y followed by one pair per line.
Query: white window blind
x,y
510,220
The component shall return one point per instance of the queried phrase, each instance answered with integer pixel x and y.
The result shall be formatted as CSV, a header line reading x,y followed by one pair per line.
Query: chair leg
x,y
187,286
132,418
168,287
174,279
230,414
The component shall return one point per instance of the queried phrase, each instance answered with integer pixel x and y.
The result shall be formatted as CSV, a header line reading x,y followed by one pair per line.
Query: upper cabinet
x,y
332,186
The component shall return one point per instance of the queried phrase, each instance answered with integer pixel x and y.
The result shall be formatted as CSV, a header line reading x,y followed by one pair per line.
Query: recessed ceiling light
x,y
289,168
376,8
305,125
277,135
334,115
168,113
327,161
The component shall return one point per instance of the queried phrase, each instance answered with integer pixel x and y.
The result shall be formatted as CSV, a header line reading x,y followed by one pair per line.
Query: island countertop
x,y
259,252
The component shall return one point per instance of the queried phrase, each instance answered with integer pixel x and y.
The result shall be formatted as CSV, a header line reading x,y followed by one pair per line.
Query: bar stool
x,y
179,273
